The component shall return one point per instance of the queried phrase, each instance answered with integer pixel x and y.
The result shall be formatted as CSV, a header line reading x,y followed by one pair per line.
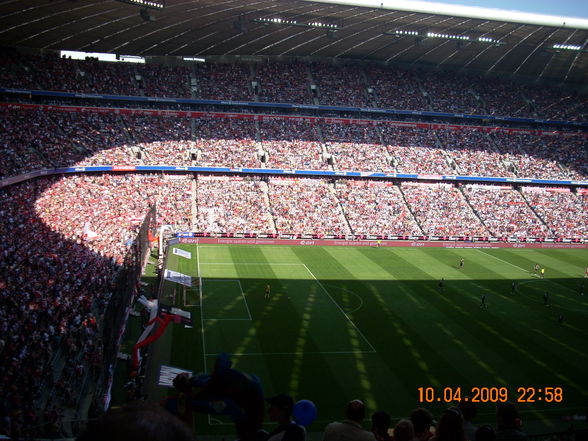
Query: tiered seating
x,y
504,212
355,147
232,204
375,207
415,150
284,83
291,144
306,206
565,214
395,89
340,85
441,210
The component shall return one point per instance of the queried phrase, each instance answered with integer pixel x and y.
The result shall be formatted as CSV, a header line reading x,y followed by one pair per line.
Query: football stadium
x,y
297,220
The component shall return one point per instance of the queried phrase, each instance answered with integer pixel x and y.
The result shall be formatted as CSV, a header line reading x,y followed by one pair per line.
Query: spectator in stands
x,y
291,144
485,433
299,206
280,411
508,422
422,421
380,425
450,426
351,428
339,85
404,431
137,420
469,410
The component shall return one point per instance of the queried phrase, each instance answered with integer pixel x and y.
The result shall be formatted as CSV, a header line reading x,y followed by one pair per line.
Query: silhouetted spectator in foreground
x,y
469,411
422,420
280,411
485,433
509,423
404,431
350,429
380,424
137,420
450,426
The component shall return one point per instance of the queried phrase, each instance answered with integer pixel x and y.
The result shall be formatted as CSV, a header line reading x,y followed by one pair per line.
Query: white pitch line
x,y
244,298
252,263
498,258
352,293
242,295
243,354
201,308
340,309
226,319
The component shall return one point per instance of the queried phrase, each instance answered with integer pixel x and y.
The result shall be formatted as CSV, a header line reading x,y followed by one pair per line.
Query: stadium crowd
x,y
339,85
472,153
450,93
395,89
355,148
530,156
305,206
283,83
442,210
63,240
415,150
346,84
291,144
375,207
233,205
226,143
223,82
564,213
504,212
67,138
52,292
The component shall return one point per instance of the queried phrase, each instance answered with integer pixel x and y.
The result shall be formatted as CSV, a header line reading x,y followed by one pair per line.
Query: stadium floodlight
x,y
152,4
275,20
448,36
402,33
285,22
568,47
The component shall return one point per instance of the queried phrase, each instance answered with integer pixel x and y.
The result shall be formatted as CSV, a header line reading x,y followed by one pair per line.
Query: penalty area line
x,y
504,261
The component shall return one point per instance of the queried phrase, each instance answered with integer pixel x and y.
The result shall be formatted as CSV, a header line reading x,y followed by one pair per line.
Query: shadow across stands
x,y
63,303
65,239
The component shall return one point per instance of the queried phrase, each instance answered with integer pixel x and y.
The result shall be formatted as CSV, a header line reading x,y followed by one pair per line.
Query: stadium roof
x,y
538,48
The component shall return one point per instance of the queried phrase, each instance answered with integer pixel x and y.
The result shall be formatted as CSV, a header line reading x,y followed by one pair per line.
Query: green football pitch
x,y
375,324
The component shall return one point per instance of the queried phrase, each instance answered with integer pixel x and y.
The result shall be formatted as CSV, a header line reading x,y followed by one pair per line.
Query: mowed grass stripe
x,y
444,357
551,260
521,316
396,339
324,267
423,337
525,354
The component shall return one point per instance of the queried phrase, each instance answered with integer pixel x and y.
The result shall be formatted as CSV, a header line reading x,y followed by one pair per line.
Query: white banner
x,y
179,252
180,278
168,373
